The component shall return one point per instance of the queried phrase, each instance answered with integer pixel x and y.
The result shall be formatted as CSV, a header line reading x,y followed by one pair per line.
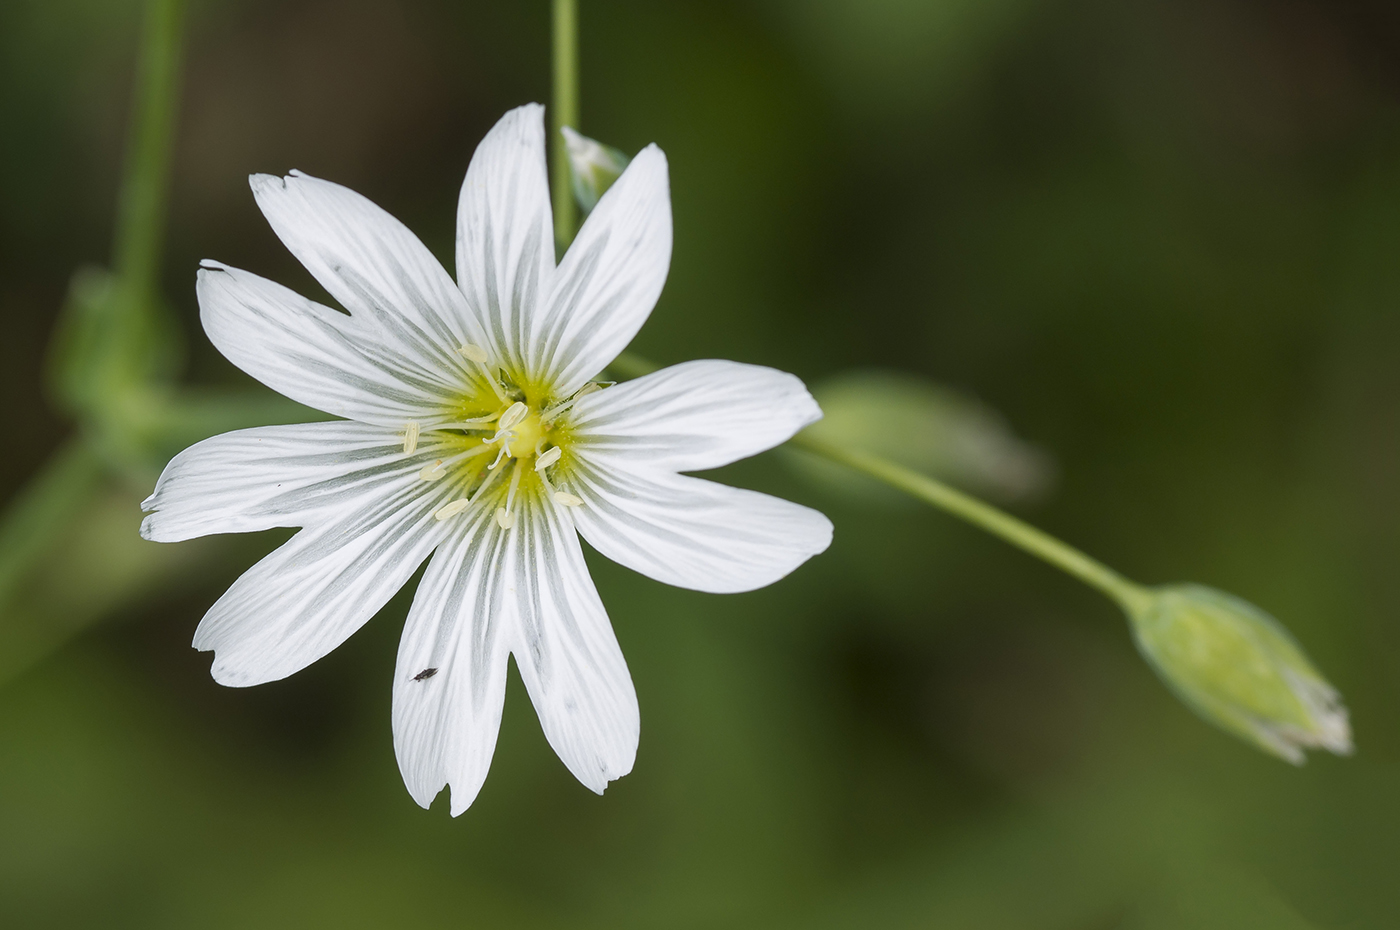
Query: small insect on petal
x,y
425,674
451,508
410,438
504,518
474,353
568,500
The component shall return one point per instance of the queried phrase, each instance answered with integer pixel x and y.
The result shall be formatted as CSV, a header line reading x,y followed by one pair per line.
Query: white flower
x,y
473,434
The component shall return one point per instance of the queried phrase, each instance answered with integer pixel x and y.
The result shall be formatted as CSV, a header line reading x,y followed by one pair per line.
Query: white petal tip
x,y
461,800
262,182
232,678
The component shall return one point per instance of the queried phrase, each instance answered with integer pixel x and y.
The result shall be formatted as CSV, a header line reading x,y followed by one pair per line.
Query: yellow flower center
x,y
502,441
528,433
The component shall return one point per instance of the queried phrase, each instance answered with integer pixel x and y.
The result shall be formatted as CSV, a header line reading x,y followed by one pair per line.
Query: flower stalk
x,y
1129,595
564,112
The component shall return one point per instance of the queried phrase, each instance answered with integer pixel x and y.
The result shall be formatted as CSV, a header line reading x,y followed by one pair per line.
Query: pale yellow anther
x,y
548,458
504,518
410,438
513,415
475,353
451,508
568,500
587,389
432,471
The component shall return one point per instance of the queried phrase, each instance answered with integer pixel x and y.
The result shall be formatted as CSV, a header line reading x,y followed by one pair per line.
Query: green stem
x,y
1017,532
141,209
564,112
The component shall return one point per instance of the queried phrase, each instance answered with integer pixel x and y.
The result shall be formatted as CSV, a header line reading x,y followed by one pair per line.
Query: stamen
x,y
410,438
513,415
504,436
481,488
504,518
470,422
544,480
548,458
589,388
437,469
475,353
514,483
568,500
452,508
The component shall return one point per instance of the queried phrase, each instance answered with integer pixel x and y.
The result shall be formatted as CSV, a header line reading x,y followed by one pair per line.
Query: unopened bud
x,y
1240,669
593,166
926,427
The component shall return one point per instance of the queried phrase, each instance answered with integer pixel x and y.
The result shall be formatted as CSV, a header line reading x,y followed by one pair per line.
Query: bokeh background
x,y
1162,237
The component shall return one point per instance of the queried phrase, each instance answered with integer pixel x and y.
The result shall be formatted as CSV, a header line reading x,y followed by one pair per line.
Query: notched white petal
x,y
450,678
695,415
316,355
610,278
566,652
694,533
369,262
505,235
307,597
256,479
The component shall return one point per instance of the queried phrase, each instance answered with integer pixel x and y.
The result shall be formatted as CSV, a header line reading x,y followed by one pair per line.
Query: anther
x,y
548,458
475,353
568,500
451,508
432,471
513,415
410,438
504,518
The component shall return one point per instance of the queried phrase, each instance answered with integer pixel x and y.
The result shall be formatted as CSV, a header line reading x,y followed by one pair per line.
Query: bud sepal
x,y
1240,669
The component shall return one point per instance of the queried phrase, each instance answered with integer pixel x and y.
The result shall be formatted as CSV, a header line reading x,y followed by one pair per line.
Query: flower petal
x,y
307,597
255,479
346,366
693,533
695,415
371,263
450,678
505,234
567,654
491,591
610,278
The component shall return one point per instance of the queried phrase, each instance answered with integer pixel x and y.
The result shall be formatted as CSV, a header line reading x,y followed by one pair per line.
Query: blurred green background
x,y
1162,237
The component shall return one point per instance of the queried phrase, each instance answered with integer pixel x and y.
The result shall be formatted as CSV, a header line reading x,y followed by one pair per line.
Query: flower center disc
x,y
528,433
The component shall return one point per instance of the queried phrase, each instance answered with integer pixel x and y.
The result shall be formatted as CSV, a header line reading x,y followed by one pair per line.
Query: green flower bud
x,y
924,426
593,166
1239,668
